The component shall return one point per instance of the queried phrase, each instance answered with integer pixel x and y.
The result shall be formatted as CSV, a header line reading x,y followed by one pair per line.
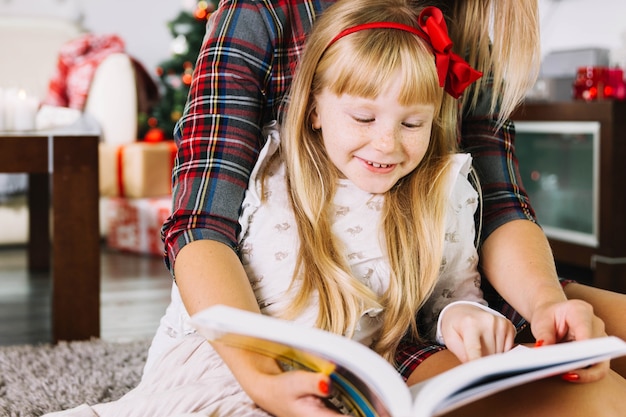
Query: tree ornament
x,y
175,115
179,45
155,134
203,10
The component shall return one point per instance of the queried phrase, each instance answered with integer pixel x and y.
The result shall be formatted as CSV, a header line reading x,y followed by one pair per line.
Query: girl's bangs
x,y
364,65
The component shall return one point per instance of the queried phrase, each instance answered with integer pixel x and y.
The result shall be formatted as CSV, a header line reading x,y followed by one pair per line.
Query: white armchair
x,y
112,99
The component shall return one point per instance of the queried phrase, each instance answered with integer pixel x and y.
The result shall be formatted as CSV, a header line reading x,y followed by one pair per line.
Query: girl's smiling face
x,y
373,142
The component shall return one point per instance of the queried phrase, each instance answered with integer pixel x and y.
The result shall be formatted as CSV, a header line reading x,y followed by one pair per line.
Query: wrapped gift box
x,y
136,170
134,224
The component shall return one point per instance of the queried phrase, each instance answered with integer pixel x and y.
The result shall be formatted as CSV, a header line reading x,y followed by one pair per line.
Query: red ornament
x,y
200,14
203,10
155,134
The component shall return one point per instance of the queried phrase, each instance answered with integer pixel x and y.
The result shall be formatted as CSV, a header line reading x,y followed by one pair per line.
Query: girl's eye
x,y
363,119
412,125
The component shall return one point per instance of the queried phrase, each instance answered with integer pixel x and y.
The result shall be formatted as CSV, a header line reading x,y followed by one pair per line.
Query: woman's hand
x,y
471,332
567,321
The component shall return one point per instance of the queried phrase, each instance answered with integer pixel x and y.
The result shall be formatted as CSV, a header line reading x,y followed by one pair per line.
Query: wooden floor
x,y
135,290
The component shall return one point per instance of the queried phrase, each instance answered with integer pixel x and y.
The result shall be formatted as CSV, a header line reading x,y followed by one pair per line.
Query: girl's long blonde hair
x,y
412,225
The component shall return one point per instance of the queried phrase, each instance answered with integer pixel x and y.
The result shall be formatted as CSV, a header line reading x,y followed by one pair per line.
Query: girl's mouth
x,y
377,165
379,168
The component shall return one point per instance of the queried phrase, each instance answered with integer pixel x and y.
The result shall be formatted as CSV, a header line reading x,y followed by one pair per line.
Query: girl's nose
x,y
386,139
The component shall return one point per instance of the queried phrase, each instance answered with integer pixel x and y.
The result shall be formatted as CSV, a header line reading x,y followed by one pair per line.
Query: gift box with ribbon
x,y
134,224
136,170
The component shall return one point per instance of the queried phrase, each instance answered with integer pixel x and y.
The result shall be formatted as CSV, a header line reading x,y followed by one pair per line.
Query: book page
x,y
366,385
488,375
349,397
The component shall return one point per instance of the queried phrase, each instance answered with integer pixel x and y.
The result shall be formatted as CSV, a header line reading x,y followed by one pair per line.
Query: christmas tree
x,y
174,74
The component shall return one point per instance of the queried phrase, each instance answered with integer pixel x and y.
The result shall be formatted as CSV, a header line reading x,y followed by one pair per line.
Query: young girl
x,y
364,209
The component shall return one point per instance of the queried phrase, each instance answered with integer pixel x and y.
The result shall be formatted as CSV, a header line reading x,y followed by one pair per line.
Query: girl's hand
x,y
282,394
294,393
471,332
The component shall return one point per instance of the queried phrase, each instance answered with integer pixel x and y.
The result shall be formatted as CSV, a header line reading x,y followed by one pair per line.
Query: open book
x,y
364,384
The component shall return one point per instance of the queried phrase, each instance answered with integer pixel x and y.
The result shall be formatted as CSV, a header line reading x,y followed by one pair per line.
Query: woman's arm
x,y
517,260
234,90
232,93
515,255
209,273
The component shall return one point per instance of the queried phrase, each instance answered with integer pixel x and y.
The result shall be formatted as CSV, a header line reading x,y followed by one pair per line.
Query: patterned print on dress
x,y
246,250
477,281
367,276
444,263
341,211
279,256
355,256
354,231
282,227
255,282
452,237
447,293
375,204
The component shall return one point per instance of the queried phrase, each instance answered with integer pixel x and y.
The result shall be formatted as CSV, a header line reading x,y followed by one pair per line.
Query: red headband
x,y
454,73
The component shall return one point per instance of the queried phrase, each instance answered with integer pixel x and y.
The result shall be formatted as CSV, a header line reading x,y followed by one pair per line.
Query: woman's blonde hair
x,y
412,227
500,38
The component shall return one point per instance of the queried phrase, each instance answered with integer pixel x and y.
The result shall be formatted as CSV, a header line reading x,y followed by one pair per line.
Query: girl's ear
x,y
316,123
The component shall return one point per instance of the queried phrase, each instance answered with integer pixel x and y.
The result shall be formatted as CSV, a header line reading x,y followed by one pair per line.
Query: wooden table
x,y
62,167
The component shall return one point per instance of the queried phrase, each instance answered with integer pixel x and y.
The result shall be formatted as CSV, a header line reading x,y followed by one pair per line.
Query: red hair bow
x,y
455,74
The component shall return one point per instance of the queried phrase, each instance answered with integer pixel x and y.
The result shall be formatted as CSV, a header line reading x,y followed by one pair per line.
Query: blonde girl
x,y
365,64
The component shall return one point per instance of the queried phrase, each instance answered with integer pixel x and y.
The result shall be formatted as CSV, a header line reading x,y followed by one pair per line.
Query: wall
x,y
574,24
565,24
142,25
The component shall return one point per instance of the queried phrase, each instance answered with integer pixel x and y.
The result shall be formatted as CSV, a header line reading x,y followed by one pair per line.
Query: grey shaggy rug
x,y
35,380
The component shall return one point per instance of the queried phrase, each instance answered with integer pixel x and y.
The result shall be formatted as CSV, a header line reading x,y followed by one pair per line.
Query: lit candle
x,y
24,111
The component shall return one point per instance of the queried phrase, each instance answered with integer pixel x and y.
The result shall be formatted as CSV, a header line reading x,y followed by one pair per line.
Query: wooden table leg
x,y
39,222
76,239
